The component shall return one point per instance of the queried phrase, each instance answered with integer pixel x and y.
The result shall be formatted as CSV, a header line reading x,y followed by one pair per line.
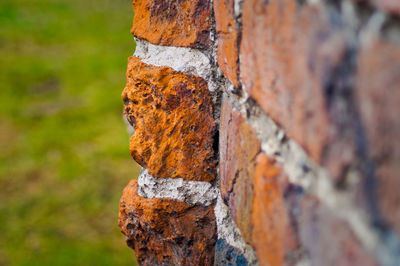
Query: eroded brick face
x,y
172,115
228,36
173,23
378,96
239,147
327,74
166,231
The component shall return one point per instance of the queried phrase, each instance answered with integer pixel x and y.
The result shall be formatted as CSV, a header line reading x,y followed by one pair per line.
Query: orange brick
x,y
173,23
166,231
172,115
272,237
228,35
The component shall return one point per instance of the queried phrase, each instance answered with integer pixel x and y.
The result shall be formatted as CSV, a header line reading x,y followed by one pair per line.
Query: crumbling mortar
x,y
190,192
228,230
316,180
226,227
362,24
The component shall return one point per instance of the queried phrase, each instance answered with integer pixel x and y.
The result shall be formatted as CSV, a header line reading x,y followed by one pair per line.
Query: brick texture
x,y
239,147
290,56
326,72
165,231
172,116
274,239
228,38
173,23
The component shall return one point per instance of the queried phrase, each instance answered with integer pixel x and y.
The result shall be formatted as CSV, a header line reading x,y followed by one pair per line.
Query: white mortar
x,y
181,59
228,231
191,192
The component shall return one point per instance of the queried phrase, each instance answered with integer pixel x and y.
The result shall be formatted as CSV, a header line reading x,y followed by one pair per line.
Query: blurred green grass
x,y
64,156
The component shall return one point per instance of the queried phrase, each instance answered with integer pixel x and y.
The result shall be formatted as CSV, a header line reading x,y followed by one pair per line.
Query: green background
x,y
64,157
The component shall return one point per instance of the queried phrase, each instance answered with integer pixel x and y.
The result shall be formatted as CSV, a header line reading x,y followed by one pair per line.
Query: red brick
x,y
328,239
272,236
172,115
166,231
378,95
238,149
228,35
288,54
173,23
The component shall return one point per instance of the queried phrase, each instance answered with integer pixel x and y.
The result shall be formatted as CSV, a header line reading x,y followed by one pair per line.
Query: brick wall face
x,y
268,133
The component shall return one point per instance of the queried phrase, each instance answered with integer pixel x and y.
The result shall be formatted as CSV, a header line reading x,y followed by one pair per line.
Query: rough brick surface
x,y
228,36
328,239
273,237
290,59
378,96
309,147
239,147
172,116
165,231
173,23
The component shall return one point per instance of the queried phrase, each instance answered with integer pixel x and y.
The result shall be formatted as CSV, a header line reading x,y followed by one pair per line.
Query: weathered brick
x,y
166,231
328,239
172,115
238,149
273,238
293,64
378,95
173,23
228,35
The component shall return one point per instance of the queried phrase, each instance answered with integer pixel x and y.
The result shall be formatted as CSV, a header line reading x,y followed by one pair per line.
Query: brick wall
x,y
268,133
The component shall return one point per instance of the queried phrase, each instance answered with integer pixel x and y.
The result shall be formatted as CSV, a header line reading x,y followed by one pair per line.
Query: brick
x,y
228,36
238,149
166,231
378,97
292,65
328,239
173,23
273,238
172,115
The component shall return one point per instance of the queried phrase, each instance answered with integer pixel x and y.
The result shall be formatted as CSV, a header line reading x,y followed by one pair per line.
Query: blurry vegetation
x,y
64,156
